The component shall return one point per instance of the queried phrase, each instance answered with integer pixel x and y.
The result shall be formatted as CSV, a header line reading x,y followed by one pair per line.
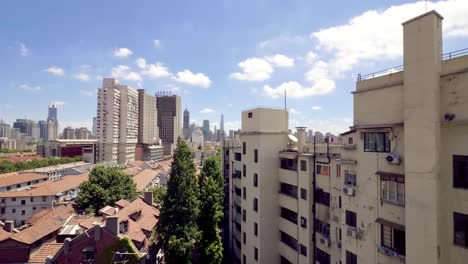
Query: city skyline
x,y
243,63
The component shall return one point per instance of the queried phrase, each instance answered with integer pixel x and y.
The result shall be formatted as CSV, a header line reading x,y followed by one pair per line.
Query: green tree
x,y
158,194
106,186
177,227
211,212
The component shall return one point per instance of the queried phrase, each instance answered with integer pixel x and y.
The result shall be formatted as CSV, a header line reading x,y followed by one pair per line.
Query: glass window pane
x,y
392,191
387,236
401,193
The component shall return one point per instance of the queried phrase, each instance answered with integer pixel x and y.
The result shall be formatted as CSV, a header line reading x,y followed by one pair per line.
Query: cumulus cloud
x,y
232,125
280,60
311,56
122,52
296,90
124,72
55,71
156,70
316,107
206,111
195,79
27,87
319,71
24,51
253,69
82,76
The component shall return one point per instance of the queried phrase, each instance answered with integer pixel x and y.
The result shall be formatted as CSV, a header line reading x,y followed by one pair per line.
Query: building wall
x,y
148,123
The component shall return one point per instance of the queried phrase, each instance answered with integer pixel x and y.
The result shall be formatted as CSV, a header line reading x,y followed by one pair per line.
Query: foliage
x,y
106,186
108,255
6,166
177,227
158,194
211,211
15,151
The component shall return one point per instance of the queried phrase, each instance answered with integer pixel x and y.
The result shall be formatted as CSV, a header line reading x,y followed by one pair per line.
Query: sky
x,y
220,56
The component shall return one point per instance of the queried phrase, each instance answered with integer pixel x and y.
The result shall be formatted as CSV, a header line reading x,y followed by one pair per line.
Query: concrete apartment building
x,y
147,119
169,120
117,122
393,191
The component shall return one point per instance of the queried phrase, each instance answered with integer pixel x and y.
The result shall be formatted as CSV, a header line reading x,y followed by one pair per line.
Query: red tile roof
x,y
4,234
122,203
12,178
85,221
46,214
38,231
144,178
48,188
48,249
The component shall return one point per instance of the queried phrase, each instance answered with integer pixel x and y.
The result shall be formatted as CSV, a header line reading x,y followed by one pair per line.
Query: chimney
x,y
8,226
66,246
149,198
97,232
301,137
112,225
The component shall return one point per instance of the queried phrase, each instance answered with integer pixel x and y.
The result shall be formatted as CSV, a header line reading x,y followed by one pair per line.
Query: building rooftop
x,y
143,178
48,249
58,167
12,178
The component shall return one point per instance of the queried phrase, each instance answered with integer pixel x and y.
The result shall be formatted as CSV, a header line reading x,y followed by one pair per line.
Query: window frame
x,y
389,240
255,180
256,155
461,224
375,147
351,219
318,168
303,165
351,258
458,181
392,189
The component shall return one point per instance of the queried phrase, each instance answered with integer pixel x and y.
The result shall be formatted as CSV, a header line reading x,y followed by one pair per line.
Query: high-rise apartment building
x,y
392,192
68,133
206,130
169,120
186,123
94,126
148,119
42,130
27,127
117,122
4,129
82,133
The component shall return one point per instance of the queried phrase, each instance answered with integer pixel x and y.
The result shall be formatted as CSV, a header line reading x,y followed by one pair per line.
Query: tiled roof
x,y
7,179
85,221
108,210
133,170
122,203
143,178
136,163
48,249
4,234
48,188
46,214
38,231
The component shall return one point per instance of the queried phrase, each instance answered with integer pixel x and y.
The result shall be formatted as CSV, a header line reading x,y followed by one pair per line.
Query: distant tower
x,y
221,129
52,115
186,125
169,115
206,130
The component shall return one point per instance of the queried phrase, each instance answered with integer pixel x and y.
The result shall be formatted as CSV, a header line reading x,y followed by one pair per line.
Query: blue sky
x,y
220,56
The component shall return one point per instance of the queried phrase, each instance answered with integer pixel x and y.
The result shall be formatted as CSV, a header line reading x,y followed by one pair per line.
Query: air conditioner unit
x,y
351,232
348,190
393,159
325,241
388,251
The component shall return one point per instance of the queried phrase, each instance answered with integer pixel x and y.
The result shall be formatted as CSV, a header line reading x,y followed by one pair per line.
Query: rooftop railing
x,y
445,56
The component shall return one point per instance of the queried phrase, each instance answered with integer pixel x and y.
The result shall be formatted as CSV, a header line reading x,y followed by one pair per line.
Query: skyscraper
x,y
186,128
215,134
4,129
221,133
148,119
117,122
206,130
27,127
94,126
43,130
52,113
169,123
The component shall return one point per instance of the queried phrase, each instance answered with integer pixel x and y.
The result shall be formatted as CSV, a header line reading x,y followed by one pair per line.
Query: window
x,y
288,164
350,178
237,156
244,239
392,188
18,185
255,253
244,170
88,254
32,199
351,218
303,222
339,201
250,114
288,189
338,170
255,155
303,194
13,199
289,215
322,228
237,174
255,204
23,212
244,192
2,210
237,191
255,229
460,229
13,210
323,170
44,198
244,148
350,258
303,165
376,142
393,239
29,183
350,141
244,261
322,197
460,171
303,250
34,208
288,240
3,200
23,202
255,180
284,260
8,188
244,215
321,256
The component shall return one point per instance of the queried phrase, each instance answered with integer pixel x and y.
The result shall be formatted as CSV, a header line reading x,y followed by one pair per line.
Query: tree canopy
x,y
7,166
106,186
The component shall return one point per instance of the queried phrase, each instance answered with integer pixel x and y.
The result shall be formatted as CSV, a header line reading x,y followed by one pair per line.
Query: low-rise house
x,y
16,181
146,179
57,171
18,206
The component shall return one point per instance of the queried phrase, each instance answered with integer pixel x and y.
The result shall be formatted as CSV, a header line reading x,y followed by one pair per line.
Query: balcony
x,y
287,176
287,226
288,202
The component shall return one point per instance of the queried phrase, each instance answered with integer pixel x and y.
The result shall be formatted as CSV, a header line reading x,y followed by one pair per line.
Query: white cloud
x,y
82,76
316,108
318,72
195,79
86,93
206,111
377,35
157,43
125,73
55,71
59,103
27,87
141,63
156,70
122,52
294,111
296,90
232,125
310,57
253,69
24,51
333,125
280,60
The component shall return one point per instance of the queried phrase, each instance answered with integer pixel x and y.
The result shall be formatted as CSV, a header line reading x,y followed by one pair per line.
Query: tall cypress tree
x,y
177,226
211,212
